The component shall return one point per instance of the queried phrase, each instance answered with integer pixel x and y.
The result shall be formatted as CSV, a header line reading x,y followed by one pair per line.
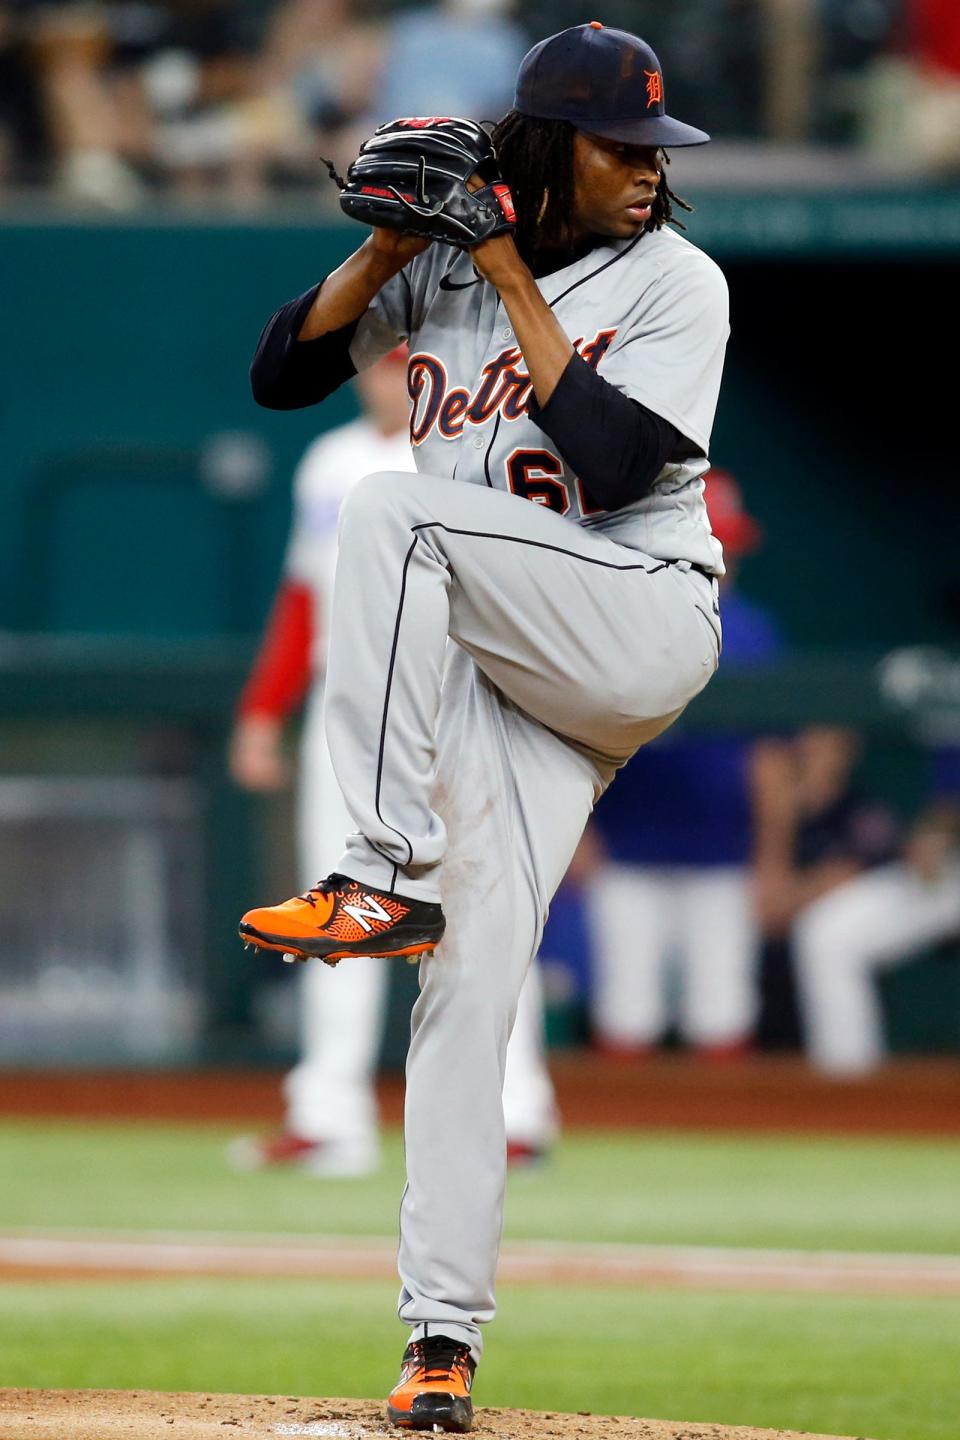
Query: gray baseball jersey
x,y
650,314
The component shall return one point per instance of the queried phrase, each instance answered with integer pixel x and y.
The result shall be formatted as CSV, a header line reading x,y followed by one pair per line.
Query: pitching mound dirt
x,y
120,1414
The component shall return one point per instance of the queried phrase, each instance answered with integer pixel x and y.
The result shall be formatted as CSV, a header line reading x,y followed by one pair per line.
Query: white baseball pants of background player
x,y
649,922
871,923
330,1094
571,651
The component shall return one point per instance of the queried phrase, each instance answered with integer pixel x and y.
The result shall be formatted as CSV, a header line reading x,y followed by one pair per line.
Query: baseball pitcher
x,y
566,348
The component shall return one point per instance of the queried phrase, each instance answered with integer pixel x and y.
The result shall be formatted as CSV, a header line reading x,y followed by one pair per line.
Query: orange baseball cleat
x,y
433,1392
339,917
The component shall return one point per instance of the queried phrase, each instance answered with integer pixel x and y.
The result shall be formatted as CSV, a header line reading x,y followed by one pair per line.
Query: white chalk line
x,y
333,1428
552,1262
316,1428
324,1427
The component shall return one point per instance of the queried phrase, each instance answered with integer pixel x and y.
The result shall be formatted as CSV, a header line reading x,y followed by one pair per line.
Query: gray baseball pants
x,y
470,772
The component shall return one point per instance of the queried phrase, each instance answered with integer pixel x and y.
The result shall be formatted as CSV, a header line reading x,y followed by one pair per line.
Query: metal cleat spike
x,y
289,959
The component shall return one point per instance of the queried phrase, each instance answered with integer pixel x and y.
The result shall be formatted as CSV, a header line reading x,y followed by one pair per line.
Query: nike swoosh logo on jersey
x,y
447,284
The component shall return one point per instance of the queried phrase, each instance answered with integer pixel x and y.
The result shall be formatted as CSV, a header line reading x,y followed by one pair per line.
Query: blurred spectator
x,y
456,57
680,826
113,100
318,75
23,130
114,94
328,77
912,100
62,50
935,28
861,921
183,78
853,38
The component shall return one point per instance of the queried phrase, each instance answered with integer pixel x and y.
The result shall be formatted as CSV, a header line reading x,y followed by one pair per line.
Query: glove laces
x,y
337,179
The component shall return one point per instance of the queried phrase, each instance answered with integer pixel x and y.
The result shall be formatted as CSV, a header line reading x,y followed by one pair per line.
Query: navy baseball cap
x,y
607,82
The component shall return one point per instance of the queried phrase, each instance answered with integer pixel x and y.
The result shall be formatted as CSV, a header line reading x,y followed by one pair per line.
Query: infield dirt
x,y
149,1415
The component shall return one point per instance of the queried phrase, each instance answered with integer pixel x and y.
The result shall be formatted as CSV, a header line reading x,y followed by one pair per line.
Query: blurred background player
x,y
829,828
866,907
678,834
332,1126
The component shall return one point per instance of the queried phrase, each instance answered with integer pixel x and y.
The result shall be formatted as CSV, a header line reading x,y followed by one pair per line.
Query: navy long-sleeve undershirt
x,y
616,445
287,373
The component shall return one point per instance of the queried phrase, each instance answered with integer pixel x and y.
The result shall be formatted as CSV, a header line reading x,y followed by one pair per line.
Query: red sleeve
x,y
937,33
280,675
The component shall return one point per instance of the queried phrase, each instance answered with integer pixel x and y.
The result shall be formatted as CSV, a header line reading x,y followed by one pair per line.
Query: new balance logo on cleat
x,y
340,917
375,911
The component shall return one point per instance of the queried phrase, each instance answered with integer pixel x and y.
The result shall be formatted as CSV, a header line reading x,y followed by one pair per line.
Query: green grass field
x,y
845,1194
855,1365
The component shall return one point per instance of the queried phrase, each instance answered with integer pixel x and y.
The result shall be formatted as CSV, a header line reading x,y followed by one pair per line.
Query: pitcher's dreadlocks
x,y
536,160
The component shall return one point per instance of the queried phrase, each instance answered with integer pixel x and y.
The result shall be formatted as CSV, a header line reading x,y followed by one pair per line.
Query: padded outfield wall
x,y
145,498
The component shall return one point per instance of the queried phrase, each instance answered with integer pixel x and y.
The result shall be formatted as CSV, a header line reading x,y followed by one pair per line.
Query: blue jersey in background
x,y
685,800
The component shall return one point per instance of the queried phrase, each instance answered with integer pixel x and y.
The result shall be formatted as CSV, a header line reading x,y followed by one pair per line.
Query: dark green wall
x,y
126,347
141,337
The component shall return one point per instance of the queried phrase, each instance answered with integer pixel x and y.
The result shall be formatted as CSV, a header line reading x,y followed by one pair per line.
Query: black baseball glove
x,y
412,175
